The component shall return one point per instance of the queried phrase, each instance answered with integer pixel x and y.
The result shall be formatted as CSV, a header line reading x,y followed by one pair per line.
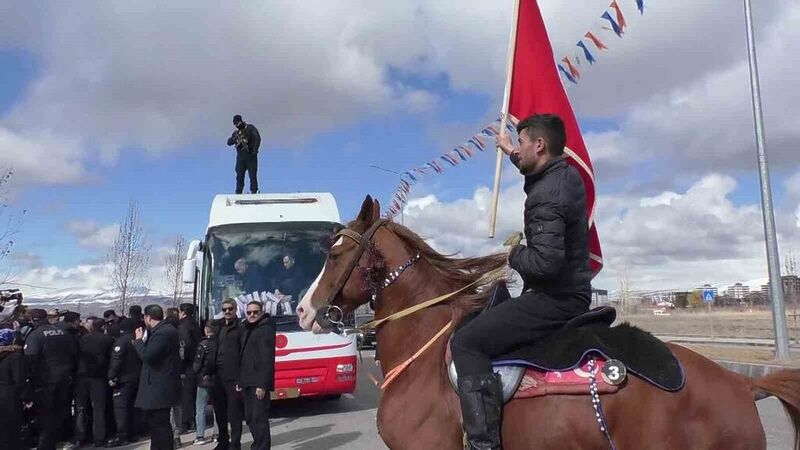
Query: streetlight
x,y
773,261
375,166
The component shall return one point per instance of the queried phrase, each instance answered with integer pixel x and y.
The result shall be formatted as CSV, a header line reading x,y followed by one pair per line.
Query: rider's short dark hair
x,y
549,127
155,312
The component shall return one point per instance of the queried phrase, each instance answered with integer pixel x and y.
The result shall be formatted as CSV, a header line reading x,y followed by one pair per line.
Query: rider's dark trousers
x,y
509,325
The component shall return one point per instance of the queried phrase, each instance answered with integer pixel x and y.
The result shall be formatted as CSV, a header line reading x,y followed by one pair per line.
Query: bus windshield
x,y
273,263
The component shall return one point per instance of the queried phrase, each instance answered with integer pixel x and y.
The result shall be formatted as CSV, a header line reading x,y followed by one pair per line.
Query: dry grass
x,y
742,354
756,324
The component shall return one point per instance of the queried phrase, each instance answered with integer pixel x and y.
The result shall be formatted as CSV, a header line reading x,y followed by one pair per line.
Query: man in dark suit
x,y
160,382
257,372
92,388
189,335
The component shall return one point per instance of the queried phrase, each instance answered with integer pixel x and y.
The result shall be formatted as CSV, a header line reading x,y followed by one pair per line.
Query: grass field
x,y
756,324
730,324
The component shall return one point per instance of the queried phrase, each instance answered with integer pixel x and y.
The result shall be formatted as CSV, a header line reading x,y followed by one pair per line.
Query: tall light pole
x,y
375,166
773,261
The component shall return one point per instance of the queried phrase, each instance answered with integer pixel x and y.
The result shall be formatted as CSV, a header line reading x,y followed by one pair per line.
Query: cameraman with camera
x,y
247,140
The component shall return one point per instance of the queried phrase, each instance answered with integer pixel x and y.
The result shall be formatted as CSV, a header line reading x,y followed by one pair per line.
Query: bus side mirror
x,y
189,270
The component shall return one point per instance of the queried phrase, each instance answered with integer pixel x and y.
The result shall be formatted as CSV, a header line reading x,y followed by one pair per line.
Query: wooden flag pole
x,y
512,44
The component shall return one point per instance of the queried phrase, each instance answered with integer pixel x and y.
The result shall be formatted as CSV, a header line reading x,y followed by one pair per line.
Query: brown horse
x,y
715,410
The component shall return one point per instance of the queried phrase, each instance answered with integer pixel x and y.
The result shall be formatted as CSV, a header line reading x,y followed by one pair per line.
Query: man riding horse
x,y
554,267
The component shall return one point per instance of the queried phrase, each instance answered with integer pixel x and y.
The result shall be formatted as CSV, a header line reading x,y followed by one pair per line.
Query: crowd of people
x,y
112,380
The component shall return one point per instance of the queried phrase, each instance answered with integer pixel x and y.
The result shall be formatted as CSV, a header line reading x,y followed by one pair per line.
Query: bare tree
x,y
173,269
130,256
9,226
624,289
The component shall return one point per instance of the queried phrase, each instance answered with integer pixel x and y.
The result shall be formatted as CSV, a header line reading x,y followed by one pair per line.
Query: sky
x,y
104,102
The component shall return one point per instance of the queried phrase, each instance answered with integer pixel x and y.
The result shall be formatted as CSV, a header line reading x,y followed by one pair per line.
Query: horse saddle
x,y
587,350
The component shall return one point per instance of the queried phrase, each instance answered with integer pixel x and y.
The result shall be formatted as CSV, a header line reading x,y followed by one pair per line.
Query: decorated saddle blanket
x,y
570,348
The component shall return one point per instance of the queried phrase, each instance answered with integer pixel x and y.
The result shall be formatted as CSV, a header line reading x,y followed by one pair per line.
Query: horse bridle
x,y
329,315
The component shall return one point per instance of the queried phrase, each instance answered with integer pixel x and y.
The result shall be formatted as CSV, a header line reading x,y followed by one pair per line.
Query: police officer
x,y
52,353
92,387
189,335
123,377
247,141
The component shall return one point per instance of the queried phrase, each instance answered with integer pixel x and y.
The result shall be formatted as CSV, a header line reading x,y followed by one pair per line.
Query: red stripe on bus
x,y
289,351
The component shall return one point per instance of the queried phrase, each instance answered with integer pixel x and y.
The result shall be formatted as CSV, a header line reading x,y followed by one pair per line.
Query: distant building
x,y
738,291
790,285
708,287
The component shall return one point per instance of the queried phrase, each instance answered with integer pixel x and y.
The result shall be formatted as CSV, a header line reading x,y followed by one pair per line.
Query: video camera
x,y
242,143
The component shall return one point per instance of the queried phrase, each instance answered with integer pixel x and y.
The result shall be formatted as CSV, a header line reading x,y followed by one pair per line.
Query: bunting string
x,y
474,145
611,23
613,20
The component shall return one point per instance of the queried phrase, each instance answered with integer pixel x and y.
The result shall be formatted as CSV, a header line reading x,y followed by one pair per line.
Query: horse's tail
x,y
785,385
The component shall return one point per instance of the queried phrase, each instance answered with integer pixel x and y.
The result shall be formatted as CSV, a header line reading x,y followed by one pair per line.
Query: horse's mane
x,y
455,271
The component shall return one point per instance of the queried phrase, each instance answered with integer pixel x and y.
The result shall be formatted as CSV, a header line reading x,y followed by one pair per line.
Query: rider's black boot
x,y
481,407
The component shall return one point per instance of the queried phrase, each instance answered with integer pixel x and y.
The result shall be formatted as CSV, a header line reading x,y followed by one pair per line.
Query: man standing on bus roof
x,y
247,141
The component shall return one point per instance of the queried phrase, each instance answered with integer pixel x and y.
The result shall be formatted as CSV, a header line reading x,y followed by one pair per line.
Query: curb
x,y
752,370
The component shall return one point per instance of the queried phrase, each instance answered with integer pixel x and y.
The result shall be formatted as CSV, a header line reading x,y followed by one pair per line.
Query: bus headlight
x,y
344,368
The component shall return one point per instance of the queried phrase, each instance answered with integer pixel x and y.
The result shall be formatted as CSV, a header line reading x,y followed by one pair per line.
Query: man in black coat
x,y
554,267
189,335
160,382
247,141
227,395
92,388
52,355
257,373
123,377
13,387
112,323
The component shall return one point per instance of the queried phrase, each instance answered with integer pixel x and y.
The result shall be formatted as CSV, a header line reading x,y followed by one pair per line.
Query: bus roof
x,y
269,208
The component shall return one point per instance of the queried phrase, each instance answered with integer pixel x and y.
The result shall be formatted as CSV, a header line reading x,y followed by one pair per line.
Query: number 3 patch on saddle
x,y
609,374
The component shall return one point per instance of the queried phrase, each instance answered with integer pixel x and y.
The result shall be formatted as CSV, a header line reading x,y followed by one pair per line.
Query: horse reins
x,y
332,313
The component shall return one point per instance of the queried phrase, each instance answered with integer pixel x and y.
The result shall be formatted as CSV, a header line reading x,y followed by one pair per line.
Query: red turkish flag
x,y
536,88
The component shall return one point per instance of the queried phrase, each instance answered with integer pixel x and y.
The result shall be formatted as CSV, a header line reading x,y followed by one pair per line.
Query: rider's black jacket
x,y
556,258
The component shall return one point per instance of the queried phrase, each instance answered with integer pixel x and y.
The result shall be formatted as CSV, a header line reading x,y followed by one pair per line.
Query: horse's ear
x,y
376,210
366,214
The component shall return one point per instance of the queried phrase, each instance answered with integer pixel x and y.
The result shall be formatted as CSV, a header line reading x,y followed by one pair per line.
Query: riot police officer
x,y
123,376
52,354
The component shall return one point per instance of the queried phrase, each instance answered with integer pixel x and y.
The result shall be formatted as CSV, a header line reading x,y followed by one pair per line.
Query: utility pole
x,y
773,260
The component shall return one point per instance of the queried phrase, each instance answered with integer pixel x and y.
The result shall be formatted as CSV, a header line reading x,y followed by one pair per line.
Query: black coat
x,y
52,353
13,374
556,259
125,366
95,355
204,366
227,360
13,389
189,335
251,136
258,354
160,381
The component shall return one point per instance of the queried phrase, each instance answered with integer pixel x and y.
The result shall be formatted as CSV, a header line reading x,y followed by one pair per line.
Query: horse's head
x,y
351,274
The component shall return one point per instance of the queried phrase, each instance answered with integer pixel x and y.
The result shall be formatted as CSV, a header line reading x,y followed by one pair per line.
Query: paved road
x,y
349,423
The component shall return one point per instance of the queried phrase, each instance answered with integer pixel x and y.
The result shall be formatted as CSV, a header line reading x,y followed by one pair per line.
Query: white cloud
x,y
155,76
673,240
41,157
93,236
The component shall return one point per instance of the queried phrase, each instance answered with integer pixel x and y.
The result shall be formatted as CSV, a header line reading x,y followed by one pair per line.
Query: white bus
x,y
271,247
